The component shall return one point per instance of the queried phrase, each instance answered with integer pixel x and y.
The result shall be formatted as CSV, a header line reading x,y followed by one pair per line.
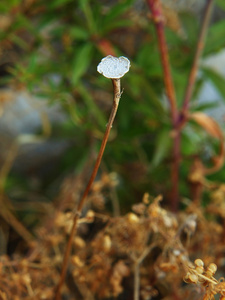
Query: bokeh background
x,y
54,105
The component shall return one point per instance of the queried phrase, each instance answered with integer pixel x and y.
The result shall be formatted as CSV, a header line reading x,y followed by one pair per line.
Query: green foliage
x,y
221,4
215,40
62,38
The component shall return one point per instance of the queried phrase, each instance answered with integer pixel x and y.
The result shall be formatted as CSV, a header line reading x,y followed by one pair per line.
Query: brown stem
x,y
137,263
177,120
199,49
175,169
136,281
193,73
116,99
156,10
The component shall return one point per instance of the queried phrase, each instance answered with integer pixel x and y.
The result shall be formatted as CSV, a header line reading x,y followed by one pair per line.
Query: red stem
x,y
156,9
117,94
198,53
158,19
178,118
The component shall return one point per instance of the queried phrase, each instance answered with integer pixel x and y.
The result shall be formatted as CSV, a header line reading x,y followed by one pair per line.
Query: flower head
x,y
113,67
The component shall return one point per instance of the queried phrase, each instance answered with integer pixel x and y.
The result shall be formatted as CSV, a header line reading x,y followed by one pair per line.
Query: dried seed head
x,y
213,268
79,242
107,243
128,236
199,263
132,218
199,270
90,216
190,278
190,224
26,278
145,198
113,67
199,266
193,278
169,267
77,261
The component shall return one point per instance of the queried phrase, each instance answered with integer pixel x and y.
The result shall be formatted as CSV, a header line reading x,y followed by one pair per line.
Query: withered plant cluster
x,y
145,254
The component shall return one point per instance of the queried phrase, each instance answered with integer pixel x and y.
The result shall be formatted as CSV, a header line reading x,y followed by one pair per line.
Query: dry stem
x,y
136,281
116,99
137,263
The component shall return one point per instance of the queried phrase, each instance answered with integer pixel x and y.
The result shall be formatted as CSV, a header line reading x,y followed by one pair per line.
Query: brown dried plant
x,y
144,254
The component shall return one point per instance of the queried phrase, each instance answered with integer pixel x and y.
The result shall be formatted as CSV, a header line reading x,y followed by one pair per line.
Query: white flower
x,y
113,67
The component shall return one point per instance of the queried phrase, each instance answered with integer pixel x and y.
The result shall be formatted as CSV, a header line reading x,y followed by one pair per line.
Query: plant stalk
x,y
175,178
116,99
136,281
182,119
178,118
156,9
198,53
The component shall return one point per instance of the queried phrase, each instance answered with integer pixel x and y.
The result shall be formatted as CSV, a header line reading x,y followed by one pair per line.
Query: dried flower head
x,y
128,235
113,67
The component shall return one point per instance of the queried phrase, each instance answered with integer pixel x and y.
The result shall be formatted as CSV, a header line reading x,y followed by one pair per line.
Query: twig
x,y
199,49
175,168
183,116
181,120
158,19
116,99
156,9
178,118
136,281
137,263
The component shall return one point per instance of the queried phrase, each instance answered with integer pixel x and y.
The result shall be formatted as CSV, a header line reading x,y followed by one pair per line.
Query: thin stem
x,y
155,7
137,263
189,91
199,49
175,169
116,99
136,281
177,119
158,19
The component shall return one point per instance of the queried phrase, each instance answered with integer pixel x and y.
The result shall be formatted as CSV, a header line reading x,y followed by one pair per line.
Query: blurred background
x,y
54,105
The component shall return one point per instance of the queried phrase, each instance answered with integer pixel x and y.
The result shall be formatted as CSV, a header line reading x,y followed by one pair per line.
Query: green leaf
x,y
141,88
163,143
221,4
32,64
198,87
79,33
215,39
207,106
217,80
6,6
58,3
81,62
148,59
90,20
116,11
92,107
191,140
116,24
